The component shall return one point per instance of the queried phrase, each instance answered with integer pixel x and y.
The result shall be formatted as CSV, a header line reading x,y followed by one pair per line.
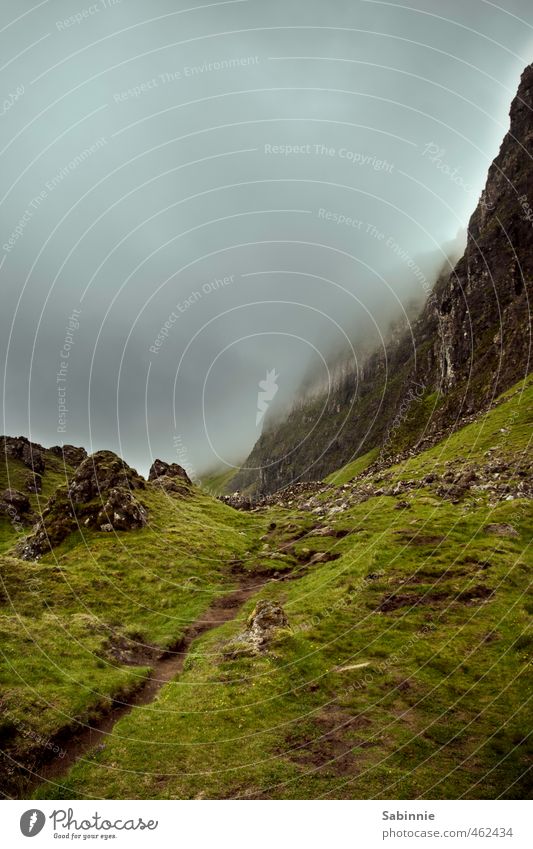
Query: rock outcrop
x,y
170,477
20,448
16,506
160,469
264,622
71,454
483,307
100,473
99,496
34,483
16,499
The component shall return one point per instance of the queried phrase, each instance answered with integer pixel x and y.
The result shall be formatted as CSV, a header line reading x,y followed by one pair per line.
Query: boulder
x,y
99,496
160,469
121,511
20,448
15,499
501,530
71,454
263,624
174,486
33,458
100,473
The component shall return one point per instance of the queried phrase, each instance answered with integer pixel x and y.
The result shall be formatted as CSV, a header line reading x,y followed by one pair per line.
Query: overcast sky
x,y
193,197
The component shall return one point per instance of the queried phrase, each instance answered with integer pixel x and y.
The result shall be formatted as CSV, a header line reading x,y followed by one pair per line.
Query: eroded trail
x,y
78,743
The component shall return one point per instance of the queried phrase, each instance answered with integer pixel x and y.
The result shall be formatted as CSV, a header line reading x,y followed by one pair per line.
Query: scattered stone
x,y
265,621
122,511
353,666
501,530
34,483
323,557
328,531
402,505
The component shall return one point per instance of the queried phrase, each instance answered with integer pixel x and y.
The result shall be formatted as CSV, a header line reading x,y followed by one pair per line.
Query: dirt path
x,y
76,744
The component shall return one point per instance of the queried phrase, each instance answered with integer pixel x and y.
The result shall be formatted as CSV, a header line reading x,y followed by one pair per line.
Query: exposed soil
x,y
431,598
333,745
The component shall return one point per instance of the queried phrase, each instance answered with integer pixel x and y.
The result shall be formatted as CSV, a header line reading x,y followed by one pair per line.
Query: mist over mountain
x,y
266,472
215,207
470,341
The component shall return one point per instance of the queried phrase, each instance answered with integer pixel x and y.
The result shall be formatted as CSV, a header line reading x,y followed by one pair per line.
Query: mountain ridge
x,y
471,341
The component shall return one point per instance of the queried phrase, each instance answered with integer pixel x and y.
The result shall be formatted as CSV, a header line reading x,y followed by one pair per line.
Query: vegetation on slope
x,y
69,619
404,671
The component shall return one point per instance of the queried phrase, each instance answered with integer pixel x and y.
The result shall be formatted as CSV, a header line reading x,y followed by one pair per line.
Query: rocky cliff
x,y
471,341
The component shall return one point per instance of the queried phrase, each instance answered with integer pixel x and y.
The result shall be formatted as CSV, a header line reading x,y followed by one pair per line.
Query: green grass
x,y
437,610
217,482
14,476
440,702
58,614
351,470
505,431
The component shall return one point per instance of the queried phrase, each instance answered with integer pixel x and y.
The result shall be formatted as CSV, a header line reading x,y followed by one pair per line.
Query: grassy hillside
x,y
67,619
351,470
217,482
404,672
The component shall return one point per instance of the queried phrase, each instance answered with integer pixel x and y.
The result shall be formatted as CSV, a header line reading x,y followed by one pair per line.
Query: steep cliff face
x,y
484,307
471,341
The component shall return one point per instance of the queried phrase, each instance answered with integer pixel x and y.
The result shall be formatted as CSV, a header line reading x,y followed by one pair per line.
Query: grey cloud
x,y
148,154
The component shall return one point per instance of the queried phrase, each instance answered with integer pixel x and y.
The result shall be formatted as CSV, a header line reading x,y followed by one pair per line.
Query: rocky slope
x,y
471,341
99,495
29,475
